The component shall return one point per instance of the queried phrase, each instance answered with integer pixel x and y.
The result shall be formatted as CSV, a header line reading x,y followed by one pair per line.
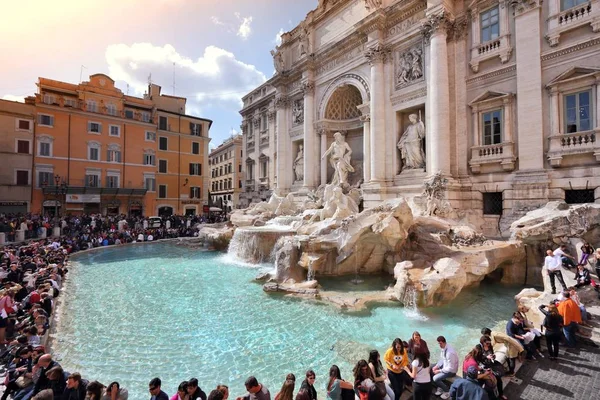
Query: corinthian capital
x,y
308,87
438,23
282,101
377,54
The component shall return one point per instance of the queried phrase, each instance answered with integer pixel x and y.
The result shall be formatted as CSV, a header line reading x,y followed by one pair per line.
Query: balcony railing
x,y
501,153
571,144
84,186
573,18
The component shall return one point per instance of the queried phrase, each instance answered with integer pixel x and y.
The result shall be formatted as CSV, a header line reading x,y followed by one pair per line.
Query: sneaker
x,y
445,395
540,355
439,392
553,291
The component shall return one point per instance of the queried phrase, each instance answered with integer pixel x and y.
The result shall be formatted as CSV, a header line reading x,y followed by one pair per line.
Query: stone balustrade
x,y
574,14
501,153
573,18
499,47
571,144
486,47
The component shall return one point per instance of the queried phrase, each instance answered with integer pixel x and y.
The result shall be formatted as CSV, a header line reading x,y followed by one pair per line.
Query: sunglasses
x,y
151,388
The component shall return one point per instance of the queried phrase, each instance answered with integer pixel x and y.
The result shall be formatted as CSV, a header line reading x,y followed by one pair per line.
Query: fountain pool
x,y
136,312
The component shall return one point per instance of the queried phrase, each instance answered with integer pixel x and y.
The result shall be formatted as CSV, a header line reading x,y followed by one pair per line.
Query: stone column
x,y
529,84
476,133
597,102
366,147
284,157
376,54
272,149
324,161
311,144
438,133
460,28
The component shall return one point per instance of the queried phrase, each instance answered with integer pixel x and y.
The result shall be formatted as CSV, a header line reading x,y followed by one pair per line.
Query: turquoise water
x,y
135,312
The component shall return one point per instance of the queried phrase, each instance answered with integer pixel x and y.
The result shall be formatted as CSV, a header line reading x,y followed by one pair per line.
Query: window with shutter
x,y
45,149
24,124
163,143
195,148
162,191
162,166
44,178
162,123
23,146
22,178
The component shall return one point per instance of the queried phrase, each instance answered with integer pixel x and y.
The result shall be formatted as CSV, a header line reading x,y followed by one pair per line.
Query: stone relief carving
x,y
340,158
371,5
435,189
278,62
299,164
298,112
411,144
409,66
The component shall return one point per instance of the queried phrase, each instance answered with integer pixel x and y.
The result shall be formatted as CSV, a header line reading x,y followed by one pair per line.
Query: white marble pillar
x,y
366,147
476,133
438,134
272,148
529,83
284,150
311,143
324,160
597,102
376,54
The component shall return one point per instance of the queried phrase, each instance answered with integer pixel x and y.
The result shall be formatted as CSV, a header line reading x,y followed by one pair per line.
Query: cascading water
x,y
256,244
409,300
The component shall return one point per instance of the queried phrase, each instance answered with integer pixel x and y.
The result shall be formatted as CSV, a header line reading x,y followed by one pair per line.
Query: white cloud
x,y
10,97
277,39
215,79
245,30
217,21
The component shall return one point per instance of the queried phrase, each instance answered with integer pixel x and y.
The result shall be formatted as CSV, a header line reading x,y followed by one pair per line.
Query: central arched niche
x,y
343,103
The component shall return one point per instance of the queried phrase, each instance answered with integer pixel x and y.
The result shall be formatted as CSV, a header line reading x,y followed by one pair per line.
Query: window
x,y
111,109
263,169
579,196
263,122
150,136
23,125
45,178
195,169
115,130
70,102
240,184
195,148
240,168
162,191
49,99
112,181
94,154
492,127
195,129
45,149
578,112
129,114
150,182
162,123
163,143
146,116
162,166
194,192
566,4
94,127
113,155
23,146
92,106
149,159
490,25
92,180
22,178
45,120
492,203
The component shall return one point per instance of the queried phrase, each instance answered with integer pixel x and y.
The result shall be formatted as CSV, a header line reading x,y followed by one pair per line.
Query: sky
x,y
215,51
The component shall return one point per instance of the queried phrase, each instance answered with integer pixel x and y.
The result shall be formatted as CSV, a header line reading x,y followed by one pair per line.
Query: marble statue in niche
x,y
410,66
298,112
299,164
411,144
341,154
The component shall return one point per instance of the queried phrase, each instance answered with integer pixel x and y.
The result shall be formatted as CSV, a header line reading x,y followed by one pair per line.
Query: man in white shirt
x,y
552,265
445,368
564,258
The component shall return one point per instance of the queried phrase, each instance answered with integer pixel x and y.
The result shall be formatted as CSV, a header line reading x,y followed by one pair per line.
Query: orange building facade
x,y
96,150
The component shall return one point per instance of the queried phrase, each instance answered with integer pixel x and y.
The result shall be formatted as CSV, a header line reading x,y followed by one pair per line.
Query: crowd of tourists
x,y
32,274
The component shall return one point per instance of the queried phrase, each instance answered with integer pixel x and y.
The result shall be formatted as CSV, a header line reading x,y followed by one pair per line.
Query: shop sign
x,y
190,202
83,198
13,203
205,209
51,203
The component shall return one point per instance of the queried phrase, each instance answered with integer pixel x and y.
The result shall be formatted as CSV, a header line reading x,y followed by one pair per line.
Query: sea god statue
x,y
411,144
340,159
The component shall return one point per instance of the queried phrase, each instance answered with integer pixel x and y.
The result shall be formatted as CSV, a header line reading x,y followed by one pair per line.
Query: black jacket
x,y
76,393
198,394
310,389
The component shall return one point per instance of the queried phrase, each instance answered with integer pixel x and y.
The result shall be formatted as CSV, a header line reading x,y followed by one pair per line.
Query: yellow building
x,y
226,173
97,149
16,147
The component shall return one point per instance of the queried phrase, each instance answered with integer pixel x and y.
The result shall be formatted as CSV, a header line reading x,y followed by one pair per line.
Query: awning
x,y
215,209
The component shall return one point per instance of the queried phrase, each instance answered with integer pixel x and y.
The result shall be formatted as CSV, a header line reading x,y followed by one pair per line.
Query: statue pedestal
x,y
410,177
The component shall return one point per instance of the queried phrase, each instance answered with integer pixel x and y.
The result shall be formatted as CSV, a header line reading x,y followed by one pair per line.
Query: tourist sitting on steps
x,y
529,327
114,391
287,390
155,391
567,260
552,266
468,388
336,384
485,377
516,330
488,360
309,384
446,367
194,390
363,379
582,276
256,391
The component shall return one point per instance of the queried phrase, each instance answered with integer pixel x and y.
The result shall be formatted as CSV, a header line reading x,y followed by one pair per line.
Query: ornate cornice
x,y
492,74
522,6
406,97
377,53
570,49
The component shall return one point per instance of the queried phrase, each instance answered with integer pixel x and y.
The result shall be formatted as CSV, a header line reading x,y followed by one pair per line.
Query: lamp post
x,y
60,188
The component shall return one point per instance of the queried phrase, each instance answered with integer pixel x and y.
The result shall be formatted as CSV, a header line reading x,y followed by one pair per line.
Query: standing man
x,y
155,392
552,263
445,368
569,310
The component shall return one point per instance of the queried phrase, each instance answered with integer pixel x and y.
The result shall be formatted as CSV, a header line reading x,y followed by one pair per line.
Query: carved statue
x,y
304,42
435,187
410,66
286,206
411,144
299,164
373,4
298,112
278,62
267,206
336,205
340,159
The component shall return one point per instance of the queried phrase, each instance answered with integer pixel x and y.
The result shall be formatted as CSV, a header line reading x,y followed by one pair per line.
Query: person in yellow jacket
x,y
396,358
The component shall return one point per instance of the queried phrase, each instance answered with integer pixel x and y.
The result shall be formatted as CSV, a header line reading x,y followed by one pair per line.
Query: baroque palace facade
x,y
501,97
98,150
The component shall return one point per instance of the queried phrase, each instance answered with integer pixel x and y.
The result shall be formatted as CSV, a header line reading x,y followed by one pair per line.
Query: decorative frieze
x,y
345,57
407,97
409,66
493,74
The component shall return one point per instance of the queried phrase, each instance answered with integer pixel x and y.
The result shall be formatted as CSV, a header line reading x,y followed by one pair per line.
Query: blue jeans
x,y
438,380
24,394
569,331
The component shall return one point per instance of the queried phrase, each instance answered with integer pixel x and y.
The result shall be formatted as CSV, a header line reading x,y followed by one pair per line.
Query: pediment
x,y
263,157
574,73
249,160
488,95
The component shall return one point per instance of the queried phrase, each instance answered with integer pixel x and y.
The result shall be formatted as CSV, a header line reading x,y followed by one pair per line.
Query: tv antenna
x,y
173,78
81,72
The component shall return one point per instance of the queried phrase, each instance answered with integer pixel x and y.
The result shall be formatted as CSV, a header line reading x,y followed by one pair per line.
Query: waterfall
x,y
409,299
256,244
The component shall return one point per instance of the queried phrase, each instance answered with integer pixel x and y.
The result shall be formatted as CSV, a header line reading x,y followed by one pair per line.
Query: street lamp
x,y
60,188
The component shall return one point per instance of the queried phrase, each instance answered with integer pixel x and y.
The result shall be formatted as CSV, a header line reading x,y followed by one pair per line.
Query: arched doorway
x,y
165,211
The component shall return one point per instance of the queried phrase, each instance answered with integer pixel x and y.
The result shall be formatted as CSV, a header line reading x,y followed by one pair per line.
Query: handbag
x,y
23,381
381,388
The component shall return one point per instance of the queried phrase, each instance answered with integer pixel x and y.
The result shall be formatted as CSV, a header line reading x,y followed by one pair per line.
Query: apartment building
x,y
226,173
96,149
16,148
